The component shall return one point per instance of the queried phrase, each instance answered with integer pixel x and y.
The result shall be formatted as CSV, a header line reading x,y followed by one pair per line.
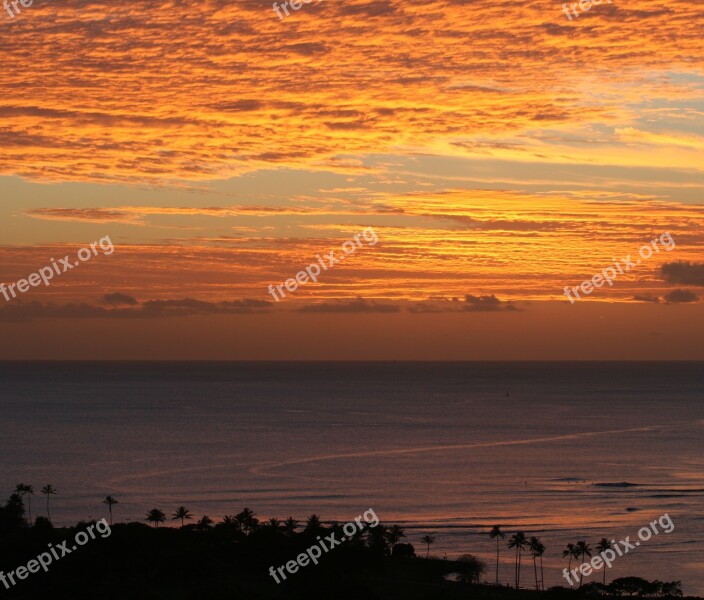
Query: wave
x,y
263,469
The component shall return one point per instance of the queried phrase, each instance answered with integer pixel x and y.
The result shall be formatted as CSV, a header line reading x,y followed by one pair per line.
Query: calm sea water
x,y
443,448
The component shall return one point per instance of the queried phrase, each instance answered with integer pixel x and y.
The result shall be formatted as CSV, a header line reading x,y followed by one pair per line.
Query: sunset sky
x,y
499,151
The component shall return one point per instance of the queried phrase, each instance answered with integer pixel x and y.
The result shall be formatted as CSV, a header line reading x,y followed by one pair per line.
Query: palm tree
x,y
155,516
394,535
313,524
110,501
537,549
290,526
542,573
496,534
274,524
230,523
377,538
48,490
13,511
428,539
570,552
247,521
583,550
26,490
205,523
519,542
602,546
181,513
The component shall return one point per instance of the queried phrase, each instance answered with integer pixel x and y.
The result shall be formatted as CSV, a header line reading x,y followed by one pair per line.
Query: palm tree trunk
x,y
110,510
542,574
581,573
518,579
515,568
497,561
29,505
48,512
535,570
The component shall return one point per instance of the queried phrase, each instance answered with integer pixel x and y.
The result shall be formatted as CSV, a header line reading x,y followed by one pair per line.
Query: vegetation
x,y
537,549
428,540
181,513
497,534
584,551
48,491
110,501
230,559
26,490
519,542
602,546
624,587
570,552
155,516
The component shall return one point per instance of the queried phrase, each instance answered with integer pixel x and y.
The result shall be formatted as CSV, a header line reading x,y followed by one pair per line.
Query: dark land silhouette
x,y
230,559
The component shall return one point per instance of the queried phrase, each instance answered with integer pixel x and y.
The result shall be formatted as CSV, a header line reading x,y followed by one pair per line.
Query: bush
x,y
472,568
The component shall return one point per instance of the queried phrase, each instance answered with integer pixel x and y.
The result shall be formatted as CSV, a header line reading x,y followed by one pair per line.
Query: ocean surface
x,y
564,451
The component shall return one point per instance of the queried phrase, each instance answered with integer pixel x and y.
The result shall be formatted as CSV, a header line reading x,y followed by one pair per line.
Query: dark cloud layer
x,y
677,296
118,299
684,273
126,307
471,303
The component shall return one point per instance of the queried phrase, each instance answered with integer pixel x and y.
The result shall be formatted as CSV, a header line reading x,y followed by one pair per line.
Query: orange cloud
x,y
109,93
512,245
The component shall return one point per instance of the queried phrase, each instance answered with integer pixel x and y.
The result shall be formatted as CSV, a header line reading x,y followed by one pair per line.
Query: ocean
x,y
562,451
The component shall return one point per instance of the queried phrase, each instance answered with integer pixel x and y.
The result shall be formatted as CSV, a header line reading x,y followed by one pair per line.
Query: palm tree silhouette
x,y
602,546
26,490
313,524
496,534
205,523
231,523
247,521
428,539
519,542
290,526
48,490
537,549
583,550
377,538
110,501
542,573
394,535
570,552
274,524
155,516
181,513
